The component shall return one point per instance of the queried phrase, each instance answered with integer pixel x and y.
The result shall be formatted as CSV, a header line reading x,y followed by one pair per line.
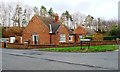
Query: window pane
x,y
62,38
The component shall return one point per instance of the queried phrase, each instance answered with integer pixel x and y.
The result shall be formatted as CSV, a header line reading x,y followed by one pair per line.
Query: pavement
x,y
59,60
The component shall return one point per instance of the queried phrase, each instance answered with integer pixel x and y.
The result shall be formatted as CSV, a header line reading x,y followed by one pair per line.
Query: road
x,y
13,59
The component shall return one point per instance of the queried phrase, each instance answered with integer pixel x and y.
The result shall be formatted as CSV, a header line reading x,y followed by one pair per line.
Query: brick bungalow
x,y
44,30
81,32
12,34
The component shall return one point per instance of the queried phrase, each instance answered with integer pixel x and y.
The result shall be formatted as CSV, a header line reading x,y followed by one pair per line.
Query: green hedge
x,y
105,38
110,38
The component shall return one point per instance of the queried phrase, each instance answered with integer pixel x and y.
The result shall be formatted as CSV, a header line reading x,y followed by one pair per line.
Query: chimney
x,y
56,18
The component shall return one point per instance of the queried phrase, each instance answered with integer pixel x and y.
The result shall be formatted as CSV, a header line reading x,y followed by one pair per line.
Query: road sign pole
x,y
81,44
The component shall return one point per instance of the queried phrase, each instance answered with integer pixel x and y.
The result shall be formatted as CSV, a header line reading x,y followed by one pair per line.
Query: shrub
x,y
98,37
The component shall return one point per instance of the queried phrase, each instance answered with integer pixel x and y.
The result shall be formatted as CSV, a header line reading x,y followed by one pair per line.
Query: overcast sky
x,y
107,9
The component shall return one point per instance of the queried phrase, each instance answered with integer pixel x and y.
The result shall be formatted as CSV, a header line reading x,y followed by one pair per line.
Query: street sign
x,y
85,40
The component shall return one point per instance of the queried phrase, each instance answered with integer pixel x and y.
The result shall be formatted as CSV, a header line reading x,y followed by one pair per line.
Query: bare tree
x,y
78,19
9,15
17,15
36,10
3,15
29,14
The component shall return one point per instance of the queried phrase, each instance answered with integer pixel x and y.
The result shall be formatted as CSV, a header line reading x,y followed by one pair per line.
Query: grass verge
x,y
102,48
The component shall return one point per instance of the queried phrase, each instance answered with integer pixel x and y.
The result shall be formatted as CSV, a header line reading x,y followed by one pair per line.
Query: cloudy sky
x,y
107,9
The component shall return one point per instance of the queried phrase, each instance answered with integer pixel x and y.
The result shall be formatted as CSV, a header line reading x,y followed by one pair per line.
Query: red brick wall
x,y
63,30
55,39
93,43
18,38
36,25
79,31
73,39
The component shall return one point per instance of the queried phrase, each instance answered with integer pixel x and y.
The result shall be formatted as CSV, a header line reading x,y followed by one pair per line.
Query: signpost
x,y
85,40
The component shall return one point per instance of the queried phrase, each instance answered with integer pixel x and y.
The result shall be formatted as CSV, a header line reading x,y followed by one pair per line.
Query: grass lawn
x,y
102,48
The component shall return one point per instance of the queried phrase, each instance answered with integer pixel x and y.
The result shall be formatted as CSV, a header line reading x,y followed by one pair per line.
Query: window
x,y
70,38
62,38
21,39
50,28
12,39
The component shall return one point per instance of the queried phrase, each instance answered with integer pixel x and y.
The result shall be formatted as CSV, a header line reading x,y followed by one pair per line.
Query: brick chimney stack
x,y
56,18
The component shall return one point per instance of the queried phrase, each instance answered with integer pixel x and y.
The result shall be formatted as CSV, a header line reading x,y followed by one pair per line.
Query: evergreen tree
x,y
50,12
43,11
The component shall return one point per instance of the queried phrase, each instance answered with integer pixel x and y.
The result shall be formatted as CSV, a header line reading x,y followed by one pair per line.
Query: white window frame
x,y
21,39
50,28
70,37
64,38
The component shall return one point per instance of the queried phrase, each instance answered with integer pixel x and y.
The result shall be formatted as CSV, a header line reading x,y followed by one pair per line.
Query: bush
x,y
98,37
115,32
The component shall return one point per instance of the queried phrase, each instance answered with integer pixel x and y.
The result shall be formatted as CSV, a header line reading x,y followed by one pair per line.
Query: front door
x,y
35,39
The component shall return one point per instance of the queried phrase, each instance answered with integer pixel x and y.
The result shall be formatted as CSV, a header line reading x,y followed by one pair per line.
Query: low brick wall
x,y
72,44
104,42
93,43
2,44
42,46
26,46
18,46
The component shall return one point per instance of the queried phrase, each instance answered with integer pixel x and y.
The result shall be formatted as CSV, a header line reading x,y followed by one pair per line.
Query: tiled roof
x,y
48,21
12,31
69,30
90,31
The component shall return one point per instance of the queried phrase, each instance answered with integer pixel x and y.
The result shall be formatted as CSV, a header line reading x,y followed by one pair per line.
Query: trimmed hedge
x,y
110,38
